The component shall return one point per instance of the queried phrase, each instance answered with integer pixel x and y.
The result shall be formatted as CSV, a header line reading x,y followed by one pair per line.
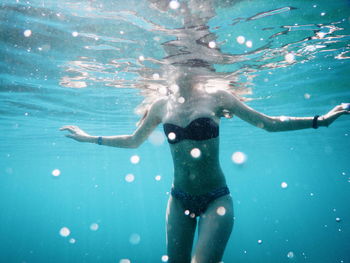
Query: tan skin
x,y
203,174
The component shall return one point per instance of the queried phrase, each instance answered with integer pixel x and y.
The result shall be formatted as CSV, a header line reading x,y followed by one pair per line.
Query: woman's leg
x,y
180,232
215,227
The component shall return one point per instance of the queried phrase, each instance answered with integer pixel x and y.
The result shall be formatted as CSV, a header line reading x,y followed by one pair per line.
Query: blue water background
x,y
92,188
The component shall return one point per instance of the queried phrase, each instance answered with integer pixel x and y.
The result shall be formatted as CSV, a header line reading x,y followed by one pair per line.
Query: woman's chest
x,y
183,113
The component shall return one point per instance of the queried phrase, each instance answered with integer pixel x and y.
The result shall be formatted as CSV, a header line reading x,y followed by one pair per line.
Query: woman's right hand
x,y
76,133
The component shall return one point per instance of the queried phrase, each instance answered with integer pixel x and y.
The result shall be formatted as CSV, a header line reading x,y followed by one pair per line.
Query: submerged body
x,y
199,188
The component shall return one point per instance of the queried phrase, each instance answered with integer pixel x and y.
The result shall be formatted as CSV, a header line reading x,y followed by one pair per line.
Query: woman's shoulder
x,y
157,107
158,104
224,98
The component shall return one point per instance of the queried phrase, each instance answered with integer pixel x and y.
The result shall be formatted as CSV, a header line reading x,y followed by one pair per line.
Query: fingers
x,y
70,128
72,136
345,106
337,109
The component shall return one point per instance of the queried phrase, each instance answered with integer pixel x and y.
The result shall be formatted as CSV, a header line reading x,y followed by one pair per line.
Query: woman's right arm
x,y
149,122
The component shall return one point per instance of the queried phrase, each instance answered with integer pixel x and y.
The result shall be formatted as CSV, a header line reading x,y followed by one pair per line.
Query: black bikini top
x,y
199,129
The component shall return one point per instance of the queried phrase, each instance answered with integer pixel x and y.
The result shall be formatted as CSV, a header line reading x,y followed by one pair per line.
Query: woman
x,y
191,123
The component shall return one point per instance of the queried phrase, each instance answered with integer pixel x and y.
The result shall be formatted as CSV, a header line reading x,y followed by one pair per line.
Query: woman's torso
x,y
196,162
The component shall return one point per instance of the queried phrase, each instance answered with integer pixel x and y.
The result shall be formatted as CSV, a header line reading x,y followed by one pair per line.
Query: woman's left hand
x,y
334,114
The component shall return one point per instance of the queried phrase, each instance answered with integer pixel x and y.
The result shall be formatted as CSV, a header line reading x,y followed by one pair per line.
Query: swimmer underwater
x,y
199,186
199,195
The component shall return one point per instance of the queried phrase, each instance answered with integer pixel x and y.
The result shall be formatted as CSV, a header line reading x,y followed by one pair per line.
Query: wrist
x,y
322,121
92,139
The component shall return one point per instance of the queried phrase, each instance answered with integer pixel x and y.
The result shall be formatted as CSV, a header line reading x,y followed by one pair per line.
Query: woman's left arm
x,y
278,123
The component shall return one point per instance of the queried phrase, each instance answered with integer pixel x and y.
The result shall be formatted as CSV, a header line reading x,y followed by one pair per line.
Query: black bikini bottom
x,y
197,204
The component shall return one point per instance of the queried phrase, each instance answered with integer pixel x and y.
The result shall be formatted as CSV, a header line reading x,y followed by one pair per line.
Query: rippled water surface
x,y
97,64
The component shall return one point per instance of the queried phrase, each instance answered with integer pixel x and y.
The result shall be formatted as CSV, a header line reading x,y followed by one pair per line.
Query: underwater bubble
x,y
343,173
163,90
187,212
155,76
284,185
72,240
64,231
290,58
259,241
134,239
165,258
311,48
290,254
174,88
94,227
141,58
75,34
56,172
181,100
121,32
323,13
158,177
135,159
221,211
249,43
311,194
238,157
321,34
240,39
192,215
174,4
195,152
156,138
171,136
337,219
211,89
129,178
27,33
124,260
284,118
212,44
307,96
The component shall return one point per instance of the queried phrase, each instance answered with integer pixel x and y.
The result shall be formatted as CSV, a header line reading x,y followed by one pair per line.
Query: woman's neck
x,y
187,88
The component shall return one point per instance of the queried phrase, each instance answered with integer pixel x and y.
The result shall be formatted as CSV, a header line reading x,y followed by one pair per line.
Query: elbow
x,y
134,146
133,143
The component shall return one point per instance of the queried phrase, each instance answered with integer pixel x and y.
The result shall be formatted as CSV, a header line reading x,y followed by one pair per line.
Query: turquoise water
x,y
80,64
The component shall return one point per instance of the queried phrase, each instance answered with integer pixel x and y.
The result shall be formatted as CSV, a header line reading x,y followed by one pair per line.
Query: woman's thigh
x,y
180,232
215,227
